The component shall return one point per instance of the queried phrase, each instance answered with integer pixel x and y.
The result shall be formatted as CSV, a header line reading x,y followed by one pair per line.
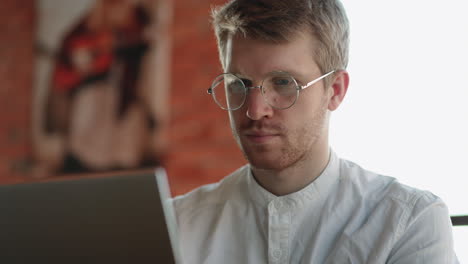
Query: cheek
x,y
312,101
308,114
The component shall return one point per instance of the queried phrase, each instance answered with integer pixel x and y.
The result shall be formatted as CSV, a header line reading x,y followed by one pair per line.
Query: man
x,y
296,201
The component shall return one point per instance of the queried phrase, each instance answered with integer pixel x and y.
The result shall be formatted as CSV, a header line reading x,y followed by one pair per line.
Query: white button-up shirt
x,y
347,215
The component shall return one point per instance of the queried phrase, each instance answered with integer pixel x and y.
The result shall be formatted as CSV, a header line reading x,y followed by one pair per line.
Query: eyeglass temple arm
x,y
314,81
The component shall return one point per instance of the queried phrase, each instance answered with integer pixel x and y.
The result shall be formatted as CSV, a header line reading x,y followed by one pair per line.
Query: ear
x,y
338,90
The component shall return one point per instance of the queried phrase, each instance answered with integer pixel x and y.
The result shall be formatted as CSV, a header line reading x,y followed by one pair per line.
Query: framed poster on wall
x,y
102,83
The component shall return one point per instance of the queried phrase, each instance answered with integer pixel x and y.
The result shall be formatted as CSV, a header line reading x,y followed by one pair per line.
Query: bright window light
x,y
406,111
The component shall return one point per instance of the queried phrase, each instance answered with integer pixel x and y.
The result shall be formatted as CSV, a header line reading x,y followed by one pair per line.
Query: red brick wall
x,y
16,51
201,146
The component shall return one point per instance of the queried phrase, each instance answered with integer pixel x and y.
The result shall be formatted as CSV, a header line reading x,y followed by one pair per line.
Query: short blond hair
x,y
278,21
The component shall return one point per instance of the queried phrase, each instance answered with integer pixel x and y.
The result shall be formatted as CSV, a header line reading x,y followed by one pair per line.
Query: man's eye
x,y
281,82
236,87
247,82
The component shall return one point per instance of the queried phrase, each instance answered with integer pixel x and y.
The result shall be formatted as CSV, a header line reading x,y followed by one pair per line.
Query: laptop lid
x,y
116,219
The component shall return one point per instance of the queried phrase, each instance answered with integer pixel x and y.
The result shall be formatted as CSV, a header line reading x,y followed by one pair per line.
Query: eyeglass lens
x,y
278,89
229,91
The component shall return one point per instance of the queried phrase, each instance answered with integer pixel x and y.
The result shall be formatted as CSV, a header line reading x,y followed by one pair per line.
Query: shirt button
x,y
278,204
277,253
272,208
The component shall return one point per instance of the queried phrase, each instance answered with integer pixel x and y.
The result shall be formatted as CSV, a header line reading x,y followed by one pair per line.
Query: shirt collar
x,y
316,190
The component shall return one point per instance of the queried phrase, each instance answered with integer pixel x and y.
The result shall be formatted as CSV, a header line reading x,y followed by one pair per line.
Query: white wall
x,y
406,111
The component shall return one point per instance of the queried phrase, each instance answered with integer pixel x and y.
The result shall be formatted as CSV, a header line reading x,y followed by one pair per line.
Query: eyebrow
x,y
297,75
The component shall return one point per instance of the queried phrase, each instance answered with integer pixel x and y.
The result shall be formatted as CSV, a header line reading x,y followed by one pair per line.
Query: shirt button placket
x,y
278,231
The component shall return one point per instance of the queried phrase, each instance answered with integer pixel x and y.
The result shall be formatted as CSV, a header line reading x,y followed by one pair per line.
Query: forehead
x,y
254,57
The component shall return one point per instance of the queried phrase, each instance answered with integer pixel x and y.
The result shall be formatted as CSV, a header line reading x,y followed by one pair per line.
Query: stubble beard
x,y
297,146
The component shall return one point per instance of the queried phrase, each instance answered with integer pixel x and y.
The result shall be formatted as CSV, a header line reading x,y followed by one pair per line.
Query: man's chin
x,y
263,156
264,162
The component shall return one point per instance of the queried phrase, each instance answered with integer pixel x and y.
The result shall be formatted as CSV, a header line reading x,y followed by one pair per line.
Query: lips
x,y
260,136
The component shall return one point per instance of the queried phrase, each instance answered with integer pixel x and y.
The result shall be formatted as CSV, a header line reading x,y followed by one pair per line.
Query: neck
x,y
299,175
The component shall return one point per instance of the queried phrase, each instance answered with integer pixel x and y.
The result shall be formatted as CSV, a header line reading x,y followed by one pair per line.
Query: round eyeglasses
x,y
279,90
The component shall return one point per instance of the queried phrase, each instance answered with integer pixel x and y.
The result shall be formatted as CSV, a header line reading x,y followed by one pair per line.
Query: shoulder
x,y
211,196
374,186
385,197
401,222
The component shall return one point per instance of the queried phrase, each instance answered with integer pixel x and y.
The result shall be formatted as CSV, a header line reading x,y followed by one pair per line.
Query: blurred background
x,y
97,86
406,114
83,81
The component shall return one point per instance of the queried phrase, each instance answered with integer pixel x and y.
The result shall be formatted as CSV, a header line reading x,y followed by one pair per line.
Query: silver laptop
x,y
116,219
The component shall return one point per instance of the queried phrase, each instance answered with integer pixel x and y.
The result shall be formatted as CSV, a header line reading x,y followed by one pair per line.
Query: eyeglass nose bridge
x,y
248,88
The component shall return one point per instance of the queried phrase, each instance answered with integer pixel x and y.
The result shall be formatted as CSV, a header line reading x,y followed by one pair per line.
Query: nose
x,y
257,107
